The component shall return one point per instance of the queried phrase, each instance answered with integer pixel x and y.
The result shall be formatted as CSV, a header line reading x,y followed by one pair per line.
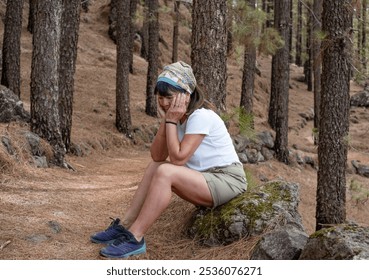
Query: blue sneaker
x,y
124,246
108,236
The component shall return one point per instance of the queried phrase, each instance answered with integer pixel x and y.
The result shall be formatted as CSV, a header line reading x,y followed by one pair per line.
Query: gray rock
x,y
266,139
262,208
55,226
11,108
34,143
37,238
240,143
360,169
308,116
267,154
252,155
8,145
243,157
340,242
285,243
40,162
310,161
360,99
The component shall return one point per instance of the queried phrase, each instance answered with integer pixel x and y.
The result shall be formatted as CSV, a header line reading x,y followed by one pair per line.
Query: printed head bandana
x,y
180,75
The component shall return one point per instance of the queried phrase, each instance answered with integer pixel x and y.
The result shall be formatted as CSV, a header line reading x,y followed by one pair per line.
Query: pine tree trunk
x,y
67,67
145,31
309,39
272,110
45,119
175,32
230,32
31,16
10,76
153,60
359,39
123,115
317,69
298,60
248,75
334,109
209,49
132,12
363,36
264,9
278,106
291,31
269,7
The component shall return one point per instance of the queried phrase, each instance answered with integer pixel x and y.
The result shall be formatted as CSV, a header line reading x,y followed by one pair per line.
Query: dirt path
x,y
50,213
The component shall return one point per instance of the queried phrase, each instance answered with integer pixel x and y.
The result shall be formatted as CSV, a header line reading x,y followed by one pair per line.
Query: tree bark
x,y
31,15
209,49
153,60
175,31
309,50
248,74
45,119
67,67
132,12
363,36
291,31
317,69
298,60
10,76
335,106
359,40
123,114
278,106
145,32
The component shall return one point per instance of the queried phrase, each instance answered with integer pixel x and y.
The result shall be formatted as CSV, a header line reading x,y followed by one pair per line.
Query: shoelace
x,y
125,237
113,223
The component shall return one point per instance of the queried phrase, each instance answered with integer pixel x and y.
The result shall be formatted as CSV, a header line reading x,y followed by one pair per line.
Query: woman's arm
x,y
181,152
158,149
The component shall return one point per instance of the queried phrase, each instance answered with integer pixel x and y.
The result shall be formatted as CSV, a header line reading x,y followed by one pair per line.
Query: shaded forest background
x,y
43,209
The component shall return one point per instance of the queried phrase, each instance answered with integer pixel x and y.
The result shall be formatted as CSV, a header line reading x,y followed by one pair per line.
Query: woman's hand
x,y
178,107
161,111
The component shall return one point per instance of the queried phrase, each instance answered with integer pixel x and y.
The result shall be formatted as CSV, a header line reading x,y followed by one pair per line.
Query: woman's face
x,y
165,101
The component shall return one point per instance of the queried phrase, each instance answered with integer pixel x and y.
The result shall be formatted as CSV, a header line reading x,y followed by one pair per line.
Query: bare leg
x,y
140,194
187,183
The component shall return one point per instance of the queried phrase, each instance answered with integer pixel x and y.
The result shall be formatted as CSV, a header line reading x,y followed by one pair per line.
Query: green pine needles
x,y
241,119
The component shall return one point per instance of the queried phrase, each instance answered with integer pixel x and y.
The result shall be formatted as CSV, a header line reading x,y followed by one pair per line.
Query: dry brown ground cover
x,y
50,213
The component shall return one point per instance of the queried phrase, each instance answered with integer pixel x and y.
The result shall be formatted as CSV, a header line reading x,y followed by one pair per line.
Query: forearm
x,y
173,144
158,150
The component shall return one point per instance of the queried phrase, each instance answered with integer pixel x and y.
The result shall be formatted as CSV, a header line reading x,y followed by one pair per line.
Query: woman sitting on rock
x,y
192,155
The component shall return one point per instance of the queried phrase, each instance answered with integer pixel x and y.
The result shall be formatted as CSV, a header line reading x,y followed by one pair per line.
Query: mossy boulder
x,y
256,211
339,242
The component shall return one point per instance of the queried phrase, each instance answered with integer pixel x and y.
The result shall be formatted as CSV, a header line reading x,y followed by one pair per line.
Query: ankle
x,y
138,237
126,223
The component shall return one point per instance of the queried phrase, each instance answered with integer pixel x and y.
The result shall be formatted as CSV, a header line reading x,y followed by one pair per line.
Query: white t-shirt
x,y
217,148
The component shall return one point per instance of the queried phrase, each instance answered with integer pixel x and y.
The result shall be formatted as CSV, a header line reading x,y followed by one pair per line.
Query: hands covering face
x,y
174,107
178,107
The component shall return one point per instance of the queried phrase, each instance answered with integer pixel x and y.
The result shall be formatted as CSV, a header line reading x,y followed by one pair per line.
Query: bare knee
x,y
153,165
164,172
151,168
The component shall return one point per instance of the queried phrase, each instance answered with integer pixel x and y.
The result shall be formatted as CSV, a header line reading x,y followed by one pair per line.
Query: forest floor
x,y
49,213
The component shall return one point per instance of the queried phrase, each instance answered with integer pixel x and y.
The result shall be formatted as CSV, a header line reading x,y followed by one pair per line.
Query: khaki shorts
x,y
226,182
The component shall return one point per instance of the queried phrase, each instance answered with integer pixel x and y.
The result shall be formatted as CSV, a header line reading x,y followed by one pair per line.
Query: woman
x,y
192,156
